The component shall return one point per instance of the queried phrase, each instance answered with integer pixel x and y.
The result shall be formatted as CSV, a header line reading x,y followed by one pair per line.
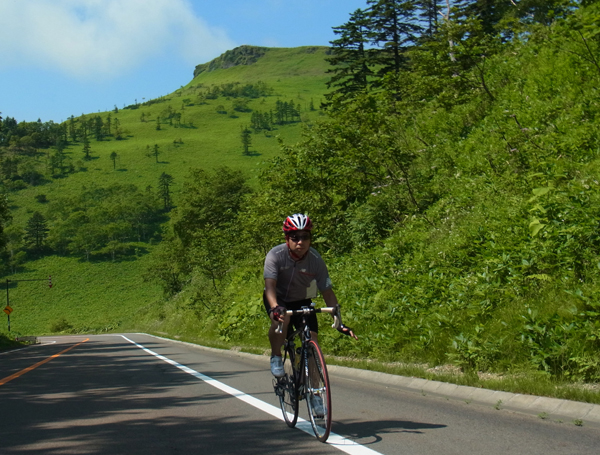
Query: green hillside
x,y
200,138
207,137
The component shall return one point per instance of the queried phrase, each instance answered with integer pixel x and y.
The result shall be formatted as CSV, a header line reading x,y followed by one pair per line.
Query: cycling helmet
x,y
297,222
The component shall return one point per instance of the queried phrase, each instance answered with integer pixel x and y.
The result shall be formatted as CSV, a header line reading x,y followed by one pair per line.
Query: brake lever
x,y
337,319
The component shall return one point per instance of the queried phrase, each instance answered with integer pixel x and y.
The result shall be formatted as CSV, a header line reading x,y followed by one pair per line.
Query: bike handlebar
x,y
334,311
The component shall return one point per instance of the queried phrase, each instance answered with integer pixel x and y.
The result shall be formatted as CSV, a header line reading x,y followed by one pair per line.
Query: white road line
x,y
335,440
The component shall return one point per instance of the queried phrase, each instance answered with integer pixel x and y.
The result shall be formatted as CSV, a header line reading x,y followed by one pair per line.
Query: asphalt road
x,y
136,394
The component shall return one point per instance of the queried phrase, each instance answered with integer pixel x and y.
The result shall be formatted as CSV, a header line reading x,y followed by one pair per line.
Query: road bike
x,y
305,375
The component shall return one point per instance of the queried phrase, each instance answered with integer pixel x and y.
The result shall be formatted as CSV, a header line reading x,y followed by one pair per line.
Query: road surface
x,y
137,394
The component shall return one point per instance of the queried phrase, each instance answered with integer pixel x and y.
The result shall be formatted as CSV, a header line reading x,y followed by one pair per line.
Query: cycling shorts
x,y
296,321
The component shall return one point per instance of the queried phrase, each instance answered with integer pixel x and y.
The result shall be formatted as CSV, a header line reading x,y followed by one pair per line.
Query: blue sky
x,y
68,57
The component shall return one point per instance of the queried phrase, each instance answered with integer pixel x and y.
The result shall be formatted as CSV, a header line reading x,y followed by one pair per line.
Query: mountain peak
x,y
242,55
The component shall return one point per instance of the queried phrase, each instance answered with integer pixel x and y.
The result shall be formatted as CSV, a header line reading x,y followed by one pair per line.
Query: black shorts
x,y
296,320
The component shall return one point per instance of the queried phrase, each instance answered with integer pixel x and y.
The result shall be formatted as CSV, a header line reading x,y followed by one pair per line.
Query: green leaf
x,y
539,276
541,191
535,226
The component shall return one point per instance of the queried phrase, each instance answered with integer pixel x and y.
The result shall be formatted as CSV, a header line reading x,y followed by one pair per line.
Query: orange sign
x,y
8,309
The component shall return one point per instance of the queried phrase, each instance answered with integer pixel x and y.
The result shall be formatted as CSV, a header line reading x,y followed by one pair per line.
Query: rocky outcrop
x,y
243,55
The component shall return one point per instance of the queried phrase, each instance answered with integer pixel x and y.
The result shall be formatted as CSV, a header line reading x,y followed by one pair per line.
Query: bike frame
x,y
303,380
305,337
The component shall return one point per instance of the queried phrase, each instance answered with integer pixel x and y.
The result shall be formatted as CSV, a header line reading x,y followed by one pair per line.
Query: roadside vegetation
x,y
8,343
453,181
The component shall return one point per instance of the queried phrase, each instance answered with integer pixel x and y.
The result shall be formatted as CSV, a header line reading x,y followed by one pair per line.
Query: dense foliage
x,y
457,202
377,41
104,223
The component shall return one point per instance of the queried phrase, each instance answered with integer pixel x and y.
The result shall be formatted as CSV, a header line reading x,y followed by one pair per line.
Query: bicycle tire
x,y
288,396
318,386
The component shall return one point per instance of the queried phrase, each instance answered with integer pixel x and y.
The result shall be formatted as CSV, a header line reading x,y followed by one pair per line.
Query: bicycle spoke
x,y
286,390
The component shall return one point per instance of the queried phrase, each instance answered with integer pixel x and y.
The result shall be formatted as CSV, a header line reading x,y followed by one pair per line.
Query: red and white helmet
x,y
297,222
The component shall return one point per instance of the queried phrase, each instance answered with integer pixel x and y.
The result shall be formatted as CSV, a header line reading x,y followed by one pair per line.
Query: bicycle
x,y
305,375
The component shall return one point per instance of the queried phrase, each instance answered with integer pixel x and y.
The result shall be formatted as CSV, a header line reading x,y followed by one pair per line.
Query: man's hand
x,y
347,331
276,314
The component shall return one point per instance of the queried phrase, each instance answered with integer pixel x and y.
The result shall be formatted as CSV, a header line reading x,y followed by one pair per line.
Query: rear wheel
x,y
318,393
287,390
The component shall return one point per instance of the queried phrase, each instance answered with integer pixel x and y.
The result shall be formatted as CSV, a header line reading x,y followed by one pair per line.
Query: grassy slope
x,y
85,297
214,140
103,295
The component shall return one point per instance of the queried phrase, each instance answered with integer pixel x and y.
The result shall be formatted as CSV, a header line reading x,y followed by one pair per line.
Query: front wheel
x,y
318,392
287,390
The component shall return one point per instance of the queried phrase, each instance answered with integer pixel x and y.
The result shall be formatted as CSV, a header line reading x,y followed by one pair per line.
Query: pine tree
x,y
73,131
164,189
246,137
83,126
489,12
352,59
279,112
108,125
113,157
541,11
36,231
118,130
456,56
394,28
430,15
86,145
156,152
98,126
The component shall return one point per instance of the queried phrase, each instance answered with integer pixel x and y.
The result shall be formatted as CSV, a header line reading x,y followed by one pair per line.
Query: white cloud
x,y
100,38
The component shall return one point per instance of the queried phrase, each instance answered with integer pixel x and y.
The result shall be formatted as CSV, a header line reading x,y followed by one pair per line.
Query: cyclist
x,y
293,274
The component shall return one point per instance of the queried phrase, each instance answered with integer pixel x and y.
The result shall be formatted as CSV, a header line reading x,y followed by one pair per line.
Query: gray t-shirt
x,y
296,280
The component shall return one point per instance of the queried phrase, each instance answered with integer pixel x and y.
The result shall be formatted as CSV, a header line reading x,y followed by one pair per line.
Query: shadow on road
x,y
369,432
103,399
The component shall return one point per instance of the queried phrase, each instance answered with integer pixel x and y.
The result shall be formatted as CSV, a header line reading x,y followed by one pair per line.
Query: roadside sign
x,y
8,309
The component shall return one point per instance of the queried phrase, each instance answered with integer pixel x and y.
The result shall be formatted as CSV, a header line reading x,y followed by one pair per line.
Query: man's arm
x,y
330,298
331,301
271,294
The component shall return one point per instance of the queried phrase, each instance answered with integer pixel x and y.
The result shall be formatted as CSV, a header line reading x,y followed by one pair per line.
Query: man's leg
x,y
277,339
314,376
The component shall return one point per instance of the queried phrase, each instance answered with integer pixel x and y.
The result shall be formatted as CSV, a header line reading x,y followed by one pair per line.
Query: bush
x,y
61,326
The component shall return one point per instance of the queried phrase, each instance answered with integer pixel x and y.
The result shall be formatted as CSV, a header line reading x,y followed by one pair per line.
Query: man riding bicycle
x,y
293,274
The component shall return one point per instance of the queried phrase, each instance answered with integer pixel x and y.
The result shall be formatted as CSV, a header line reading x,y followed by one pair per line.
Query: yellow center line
x,y
22,372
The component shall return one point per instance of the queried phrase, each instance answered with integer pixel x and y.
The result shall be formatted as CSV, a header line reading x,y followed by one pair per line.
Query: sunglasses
x,y
297,237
